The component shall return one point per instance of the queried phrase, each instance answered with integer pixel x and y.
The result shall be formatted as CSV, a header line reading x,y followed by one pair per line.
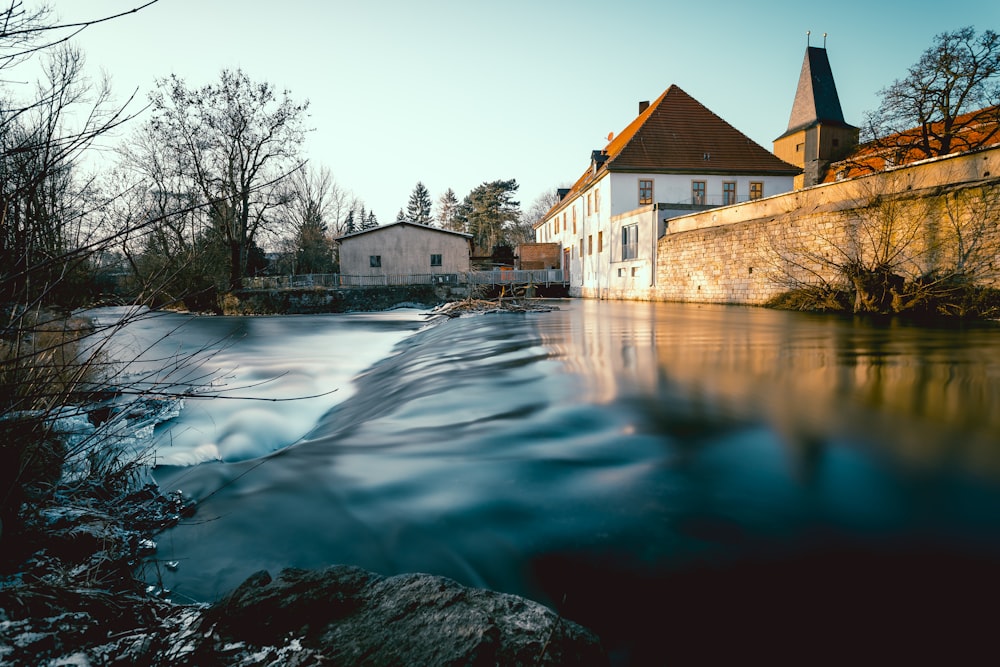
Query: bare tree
x,y
235,140
536,212
898,248
313,200
42,204
448,212
48,218
947,102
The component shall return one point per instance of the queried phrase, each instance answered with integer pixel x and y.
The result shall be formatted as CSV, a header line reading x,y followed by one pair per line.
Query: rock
x,y
352,617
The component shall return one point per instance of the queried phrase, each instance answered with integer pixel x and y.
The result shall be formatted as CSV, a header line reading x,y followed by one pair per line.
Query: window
x,y
590,201
698,193
556,223
600,241
645,191
581,247
756,190
798,148
435,260
597,199
590,244
375,261
564,221
630,241
728,193
574,219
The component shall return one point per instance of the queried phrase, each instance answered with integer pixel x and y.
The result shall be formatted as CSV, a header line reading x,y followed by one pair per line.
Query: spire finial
x,y
824,40
808,32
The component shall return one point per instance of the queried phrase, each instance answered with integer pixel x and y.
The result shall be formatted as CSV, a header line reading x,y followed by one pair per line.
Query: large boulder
x,y
352,617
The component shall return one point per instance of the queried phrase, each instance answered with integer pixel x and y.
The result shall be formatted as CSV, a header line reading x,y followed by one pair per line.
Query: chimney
x,y
643,106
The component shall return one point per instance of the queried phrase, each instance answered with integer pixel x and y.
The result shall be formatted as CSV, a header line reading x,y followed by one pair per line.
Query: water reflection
x,y
716,461
928,396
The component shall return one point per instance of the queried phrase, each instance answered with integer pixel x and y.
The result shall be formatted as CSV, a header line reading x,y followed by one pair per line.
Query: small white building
x,y
402,253
675,158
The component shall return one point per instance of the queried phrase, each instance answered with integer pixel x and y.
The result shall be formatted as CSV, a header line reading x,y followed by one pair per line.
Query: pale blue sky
x,y
456,92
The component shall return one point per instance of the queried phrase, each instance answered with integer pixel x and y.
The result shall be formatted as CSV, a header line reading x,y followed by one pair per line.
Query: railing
x,y
538,277
391,280
333,280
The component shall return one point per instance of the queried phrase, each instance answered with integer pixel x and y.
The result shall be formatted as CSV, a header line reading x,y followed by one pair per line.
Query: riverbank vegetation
x,y
900,249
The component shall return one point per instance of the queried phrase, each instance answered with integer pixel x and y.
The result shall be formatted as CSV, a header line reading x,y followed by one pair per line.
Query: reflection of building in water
x,y
912,392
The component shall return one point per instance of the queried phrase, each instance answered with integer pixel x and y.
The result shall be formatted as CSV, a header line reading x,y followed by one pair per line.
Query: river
x,y
676,477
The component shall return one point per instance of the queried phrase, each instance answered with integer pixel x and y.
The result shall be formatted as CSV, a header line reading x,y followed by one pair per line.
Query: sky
x,y
454,93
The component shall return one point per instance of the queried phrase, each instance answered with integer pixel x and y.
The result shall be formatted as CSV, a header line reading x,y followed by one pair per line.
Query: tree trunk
x,y
235,266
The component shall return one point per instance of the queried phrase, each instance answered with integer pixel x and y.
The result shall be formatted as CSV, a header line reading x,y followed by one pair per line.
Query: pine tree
x,y
491,211
418,209
401,217
372,221
349,225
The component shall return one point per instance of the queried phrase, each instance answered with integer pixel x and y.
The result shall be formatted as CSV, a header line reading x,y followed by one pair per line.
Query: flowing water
x,y
679,478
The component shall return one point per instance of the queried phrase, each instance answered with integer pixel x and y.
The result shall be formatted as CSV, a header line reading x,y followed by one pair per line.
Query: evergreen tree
x,y
401,217
362,222
349,225
491,213
418,209
372,221
314,250
448,212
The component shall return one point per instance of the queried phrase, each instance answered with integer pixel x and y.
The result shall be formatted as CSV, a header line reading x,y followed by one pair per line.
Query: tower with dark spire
x,y
817,133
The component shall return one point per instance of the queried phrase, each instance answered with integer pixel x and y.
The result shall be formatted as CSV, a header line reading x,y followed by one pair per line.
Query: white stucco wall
x,y
676,188
596,264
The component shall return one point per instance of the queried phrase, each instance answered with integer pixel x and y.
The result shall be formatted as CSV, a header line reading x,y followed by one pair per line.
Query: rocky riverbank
x,y
69,595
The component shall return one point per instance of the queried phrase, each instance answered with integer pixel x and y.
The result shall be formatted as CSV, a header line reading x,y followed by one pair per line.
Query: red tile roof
x,y
676,134
979,128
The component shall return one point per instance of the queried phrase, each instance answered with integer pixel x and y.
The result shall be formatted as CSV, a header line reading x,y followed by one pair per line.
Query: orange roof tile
x,y
898,149
677,134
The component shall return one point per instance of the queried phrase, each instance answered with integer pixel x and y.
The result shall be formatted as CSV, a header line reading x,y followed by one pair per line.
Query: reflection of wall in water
x,y
905,390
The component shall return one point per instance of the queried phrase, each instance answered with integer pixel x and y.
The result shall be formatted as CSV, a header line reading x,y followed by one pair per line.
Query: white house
x,y
676,157
403,253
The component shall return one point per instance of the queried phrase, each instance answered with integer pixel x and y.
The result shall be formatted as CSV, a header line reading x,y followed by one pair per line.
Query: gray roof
x,y
404,223
816,99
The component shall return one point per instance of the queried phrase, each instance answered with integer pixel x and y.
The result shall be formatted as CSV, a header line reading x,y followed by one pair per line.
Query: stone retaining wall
x,y
329,300
749,253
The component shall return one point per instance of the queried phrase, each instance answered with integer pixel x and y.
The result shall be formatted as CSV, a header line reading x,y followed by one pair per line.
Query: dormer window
x,y
597,158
